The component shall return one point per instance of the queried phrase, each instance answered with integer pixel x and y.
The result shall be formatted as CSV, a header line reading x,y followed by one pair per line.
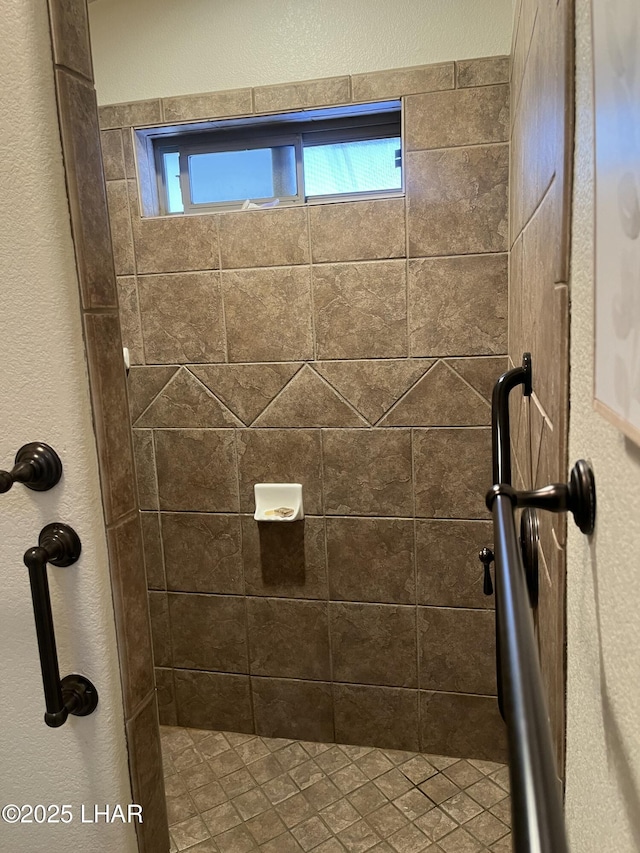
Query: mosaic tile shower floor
x,y
235,793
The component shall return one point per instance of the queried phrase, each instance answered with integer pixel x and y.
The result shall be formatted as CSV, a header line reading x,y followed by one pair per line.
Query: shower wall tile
x,y
131,611
288,638
293,709
132,114
208,632
371,559
176,243
112,155
374,644
458,117
213,700
145,465
457,200
452,471
456,650
449,572
295,96
234,102
360,310
281,329
482,72
264,238
385,716
367,472
458,306
285,560
202,552
70,36
120,222
463,725
378,85
109,399
360,230
197,470
152,545
280,456
86,190
160,629
147,790
298,344
182,317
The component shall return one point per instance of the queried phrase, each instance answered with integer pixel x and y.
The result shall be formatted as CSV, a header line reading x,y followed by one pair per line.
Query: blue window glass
x,y
254,173
352,167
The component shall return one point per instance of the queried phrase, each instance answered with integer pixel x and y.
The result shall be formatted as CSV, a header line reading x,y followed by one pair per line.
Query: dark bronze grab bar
x,y
536,805
74,694
37,465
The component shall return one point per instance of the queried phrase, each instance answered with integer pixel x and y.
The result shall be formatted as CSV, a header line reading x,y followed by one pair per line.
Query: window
x,y
317,155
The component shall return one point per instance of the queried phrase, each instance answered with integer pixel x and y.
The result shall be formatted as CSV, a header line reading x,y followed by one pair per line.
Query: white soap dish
x,y
278,502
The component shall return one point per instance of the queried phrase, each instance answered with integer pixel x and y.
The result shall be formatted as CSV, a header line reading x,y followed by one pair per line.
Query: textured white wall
x,y
44,395
603,722
154,48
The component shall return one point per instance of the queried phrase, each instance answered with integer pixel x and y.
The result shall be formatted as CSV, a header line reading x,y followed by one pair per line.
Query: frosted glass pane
x,y
172,182
255,173
352,167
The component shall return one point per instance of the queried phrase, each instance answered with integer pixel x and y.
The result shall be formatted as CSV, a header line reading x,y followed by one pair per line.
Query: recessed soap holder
x,y
278,502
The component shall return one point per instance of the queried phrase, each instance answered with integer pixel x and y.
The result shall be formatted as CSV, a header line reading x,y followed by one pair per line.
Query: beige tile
x,y
233,102
360,230
440,398
360,310
202,552
383,715
458,306
70,36
372,386
294,708
358,634
452,472
264,238
367,472
176,243
246,389
213,700
266,826
110,413
268,314
275,629
182,317
449,572
160,628
402,81
112,155
455,118
145,759
457,200
280,456
482,72
185,402
462,725
132,114
86,190
481,373
127,149
285,560
311,833
309,93
197,470
309,401
371,559
457,650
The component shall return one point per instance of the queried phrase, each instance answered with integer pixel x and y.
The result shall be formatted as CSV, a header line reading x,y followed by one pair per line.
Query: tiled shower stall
x,y
351,347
